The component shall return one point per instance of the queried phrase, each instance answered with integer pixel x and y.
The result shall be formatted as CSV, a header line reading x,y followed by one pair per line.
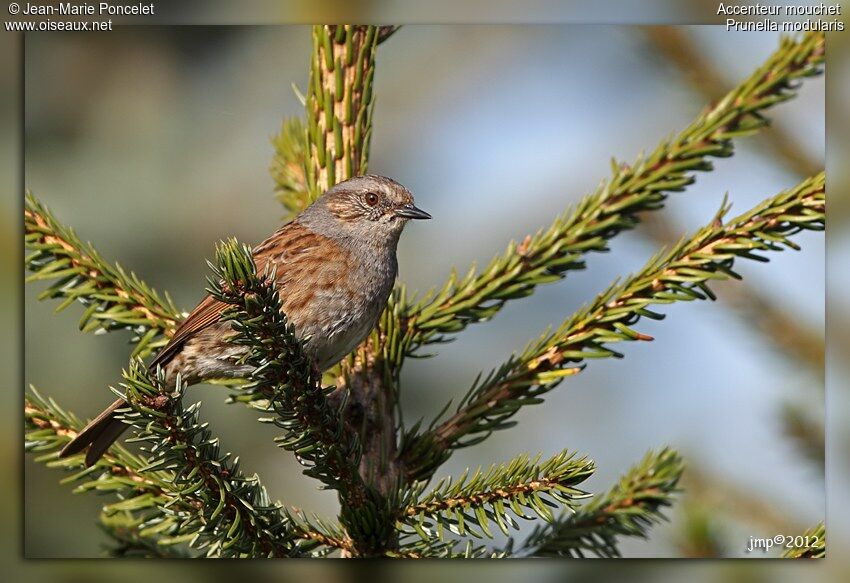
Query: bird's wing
x,y
206,313
209,310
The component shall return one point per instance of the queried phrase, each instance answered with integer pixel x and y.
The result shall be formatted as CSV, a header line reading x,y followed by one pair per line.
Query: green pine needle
x,y
288,167
113,299
630,508
681,274
477,505
339,103
615,206
314,430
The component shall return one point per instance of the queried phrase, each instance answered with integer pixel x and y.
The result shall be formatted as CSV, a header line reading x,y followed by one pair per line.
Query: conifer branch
x,y
113,298
127,541
289,167
816,550
150,511
614,207
788,334
130,522
678,48
630,508
434,548
344,129
314,430
317,537
339,106
468,505
680,274
339,103
233,515
48,428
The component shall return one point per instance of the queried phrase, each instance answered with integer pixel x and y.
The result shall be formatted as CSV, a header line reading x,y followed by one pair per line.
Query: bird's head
x,y
370,207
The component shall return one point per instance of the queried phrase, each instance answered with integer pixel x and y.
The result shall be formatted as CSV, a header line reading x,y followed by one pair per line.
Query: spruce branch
x,y
815,550
630,508
346,78
678,48
314,429
318,537
125,532
681,274
149,510
289,167
468,505
113,298
232,515
143,516
48,427
415,547
759,310
339,103
789,334
616,204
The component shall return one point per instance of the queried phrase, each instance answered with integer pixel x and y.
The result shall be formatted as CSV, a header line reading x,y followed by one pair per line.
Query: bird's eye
x,y
371,198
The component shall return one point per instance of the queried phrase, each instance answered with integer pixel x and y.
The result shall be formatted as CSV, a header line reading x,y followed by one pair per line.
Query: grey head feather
x,y
369,210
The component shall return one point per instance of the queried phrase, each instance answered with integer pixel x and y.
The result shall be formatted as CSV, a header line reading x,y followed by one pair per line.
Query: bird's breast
x,y
337,302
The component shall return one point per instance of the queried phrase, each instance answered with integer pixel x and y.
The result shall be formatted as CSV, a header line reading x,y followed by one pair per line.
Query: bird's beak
x,y
409,211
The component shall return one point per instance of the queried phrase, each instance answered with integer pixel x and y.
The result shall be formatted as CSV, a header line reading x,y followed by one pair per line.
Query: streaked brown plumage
x,y
335,266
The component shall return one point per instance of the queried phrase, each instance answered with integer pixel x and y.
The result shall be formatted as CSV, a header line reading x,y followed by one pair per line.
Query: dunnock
x,y
335,267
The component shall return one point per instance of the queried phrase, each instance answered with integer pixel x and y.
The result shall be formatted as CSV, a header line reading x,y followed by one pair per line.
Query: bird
x,y
334,267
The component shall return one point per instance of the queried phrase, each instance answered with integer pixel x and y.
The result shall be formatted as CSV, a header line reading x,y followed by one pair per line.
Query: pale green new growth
x,y
288,167
339,104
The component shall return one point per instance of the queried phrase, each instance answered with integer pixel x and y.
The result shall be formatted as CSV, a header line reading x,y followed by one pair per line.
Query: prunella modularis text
x,y
335,265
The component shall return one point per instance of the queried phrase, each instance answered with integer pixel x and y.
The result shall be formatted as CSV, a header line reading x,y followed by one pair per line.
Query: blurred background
x,y
154,144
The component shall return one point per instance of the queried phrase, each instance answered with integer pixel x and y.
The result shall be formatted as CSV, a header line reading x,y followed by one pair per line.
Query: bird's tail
x,y
98,435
